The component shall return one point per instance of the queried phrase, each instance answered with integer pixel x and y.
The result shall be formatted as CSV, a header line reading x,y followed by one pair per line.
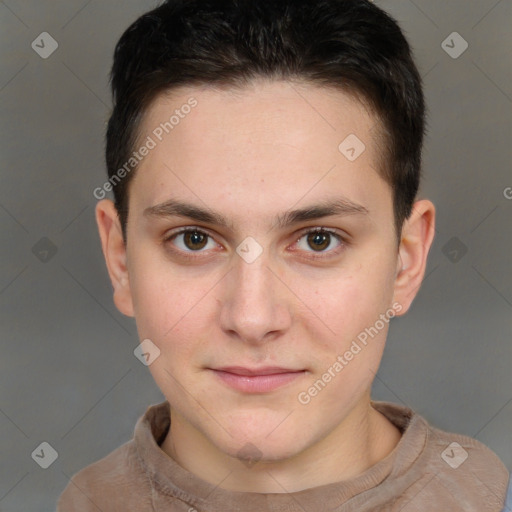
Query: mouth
x,y
256,380
265,370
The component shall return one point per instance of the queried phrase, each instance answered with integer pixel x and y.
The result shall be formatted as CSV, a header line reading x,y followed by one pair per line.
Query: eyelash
x,y
319,256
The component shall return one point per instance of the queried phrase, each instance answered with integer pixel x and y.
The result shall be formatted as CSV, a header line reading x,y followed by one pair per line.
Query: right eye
x,y
189,240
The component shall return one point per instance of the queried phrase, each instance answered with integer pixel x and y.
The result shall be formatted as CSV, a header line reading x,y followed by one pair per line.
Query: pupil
x,y
320,240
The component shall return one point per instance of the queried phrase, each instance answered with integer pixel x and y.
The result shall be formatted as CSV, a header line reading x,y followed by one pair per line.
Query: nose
x,y
255,305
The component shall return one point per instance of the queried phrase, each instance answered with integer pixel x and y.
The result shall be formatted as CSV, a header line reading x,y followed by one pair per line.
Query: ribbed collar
x,y
393,472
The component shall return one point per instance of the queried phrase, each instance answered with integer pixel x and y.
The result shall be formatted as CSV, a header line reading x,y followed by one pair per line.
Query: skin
x,y
251,155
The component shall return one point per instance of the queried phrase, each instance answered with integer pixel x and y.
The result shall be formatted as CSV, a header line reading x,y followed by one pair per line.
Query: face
x,y
256,241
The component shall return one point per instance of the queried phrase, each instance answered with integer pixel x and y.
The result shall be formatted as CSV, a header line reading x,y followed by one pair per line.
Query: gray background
x,y
67,369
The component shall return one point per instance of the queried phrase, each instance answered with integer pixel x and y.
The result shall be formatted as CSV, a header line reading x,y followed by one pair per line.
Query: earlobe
x,y
114,251
416,240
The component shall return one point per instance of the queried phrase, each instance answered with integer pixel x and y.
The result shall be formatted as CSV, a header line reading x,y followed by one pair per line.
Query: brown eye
x,y
190,240
319,241
195,240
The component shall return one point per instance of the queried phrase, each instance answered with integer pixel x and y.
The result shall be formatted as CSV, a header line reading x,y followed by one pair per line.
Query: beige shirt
x,y
428,471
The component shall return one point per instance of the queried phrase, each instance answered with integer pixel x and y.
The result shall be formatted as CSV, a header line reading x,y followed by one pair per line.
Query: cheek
x,y
345,305
172,314
169,307
348,309
346,356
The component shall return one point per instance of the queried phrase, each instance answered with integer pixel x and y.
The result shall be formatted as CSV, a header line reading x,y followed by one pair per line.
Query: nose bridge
x,y
252,305
251,282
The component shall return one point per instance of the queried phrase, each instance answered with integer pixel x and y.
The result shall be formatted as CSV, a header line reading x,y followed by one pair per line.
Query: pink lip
x,y
264,370
257,380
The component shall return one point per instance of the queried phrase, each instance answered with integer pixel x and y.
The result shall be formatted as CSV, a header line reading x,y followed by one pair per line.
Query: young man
x,y
265,161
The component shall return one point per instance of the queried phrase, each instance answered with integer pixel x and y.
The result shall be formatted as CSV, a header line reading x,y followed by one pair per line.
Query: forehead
x,y
253,107
281,139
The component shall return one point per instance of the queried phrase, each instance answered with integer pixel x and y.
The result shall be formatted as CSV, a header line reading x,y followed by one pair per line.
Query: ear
x,y
114,250
416,239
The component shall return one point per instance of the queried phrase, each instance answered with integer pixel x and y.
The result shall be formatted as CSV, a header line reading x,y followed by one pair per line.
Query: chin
x,y
265,446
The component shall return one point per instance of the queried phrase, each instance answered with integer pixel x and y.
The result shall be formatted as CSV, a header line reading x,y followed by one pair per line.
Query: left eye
x,y
319,240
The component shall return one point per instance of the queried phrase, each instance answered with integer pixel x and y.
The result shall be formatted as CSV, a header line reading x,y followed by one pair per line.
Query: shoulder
x,y
459,469
439,470
110,481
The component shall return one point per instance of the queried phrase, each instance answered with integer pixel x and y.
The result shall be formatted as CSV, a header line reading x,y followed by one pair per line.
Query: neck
x,y
364,438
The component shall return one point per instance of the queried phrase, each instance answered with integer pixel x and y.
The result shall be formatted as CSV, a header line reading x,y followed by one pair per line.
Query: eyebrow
x,y
335,207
